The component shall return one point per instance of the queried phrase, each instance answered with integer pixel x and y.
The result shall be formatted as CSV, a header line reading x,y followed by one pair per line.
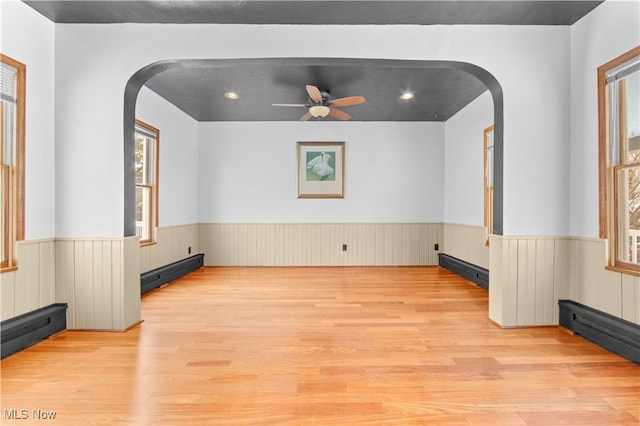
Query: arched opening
x,y
136,82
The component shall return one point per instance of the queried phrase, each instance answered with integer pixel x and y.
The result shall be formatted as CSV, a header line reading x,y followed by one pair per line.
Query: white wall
x,y
32,285
465,236
530,63
178,170
607,32
536,143
393,173
177,233
535,272
463,169
35,49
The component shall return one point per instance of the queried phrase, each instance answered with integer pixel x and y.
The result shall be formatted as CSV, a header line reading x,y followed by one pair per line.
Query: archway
x,y
136,82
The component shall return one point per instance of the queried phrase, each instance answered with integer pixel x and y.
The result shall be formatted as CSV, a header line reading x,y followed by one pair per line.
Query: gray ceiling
x,y
439,93
199,91
356,12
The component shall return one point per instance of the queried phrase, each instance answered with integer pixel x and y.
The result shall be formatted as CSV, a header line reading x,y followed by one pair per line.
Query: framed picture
x,y
320,169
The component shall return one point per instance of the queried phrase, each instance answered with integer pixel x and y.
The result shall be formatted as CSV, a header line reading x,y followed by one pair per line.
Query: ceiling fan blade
x,y
340,115
348,101
305,117
291,105
314,94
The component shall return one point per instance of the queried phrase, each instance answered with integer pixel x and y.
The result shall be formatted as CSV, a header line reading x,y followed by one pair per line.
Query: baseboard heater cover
x,y
467,270
25,330
157,277
612,333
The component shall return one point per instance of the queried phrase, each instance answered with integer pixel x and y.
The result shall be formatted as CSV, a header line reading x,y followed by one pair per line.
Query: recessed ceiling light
x,y
231,95
406,96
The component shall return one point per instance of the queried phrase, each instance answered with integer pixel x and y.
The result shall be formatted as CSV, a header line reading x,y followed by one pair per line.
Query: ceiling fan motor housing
x,y
326,96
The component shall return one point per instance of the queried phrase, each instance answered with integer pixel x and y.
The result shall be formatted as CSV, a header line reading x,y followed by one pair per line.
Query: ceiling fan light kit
x,y
322,105
319,111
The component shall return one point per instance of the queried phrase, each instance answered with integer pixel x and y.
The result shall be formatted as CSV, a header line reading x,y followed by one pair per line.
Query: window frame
x,y
608,172
14,228
154,162
488,189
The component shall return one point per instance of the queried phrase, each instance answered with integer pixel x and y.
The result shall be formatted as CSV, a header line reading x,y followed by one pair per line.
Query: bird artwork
x,y
319,167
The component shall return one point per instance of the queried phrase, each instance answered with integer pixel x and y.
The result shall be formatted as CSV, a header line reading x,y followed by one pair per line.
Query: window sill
x,y
148,243
623,270
8,269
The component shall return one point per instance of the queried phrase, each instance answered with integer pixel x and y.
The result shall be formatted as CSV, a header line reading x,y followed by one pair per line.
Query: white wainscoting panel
x,y
172,244
630,298
609,291
251,244
528,277
32,285
468,243
100,280
127,309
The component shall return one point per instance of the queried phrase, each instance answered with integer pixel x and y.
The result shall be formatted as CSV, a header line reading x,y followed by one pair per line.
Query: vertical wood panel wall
x,y
468,243
528,277
320,244
32,285
591,284
100,280
528,274
172,244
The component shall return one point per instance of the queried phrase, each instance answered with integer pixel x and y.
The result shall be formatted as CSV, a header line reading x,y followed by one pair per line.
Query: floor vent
x,y
25,330
466,270
160,276
612,333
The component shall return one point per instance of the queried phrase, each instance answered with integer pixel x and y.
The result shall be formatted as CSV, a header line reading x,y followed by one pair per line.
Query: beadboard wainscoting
x,y
172,244
528,277
100,280
591,284
32,285
468,243
320,244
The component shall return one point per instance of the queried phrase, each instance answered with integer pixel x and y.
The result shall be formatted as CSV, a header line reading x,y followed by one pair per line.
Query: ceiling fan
x,y
322,105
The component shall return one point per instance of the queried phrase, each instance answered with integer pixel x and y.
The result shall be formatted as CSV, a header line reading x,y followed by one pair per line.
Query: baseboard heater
x,y
25,330
164,274
466,270
612,333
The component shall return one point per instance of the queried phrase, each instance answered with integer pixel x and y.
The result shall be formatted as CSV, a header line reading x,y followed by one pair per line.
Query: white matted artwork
x,y
320,169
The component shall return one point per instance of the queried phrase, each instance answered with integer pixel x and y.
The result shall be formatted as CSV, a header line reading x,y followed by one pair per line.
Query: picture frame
x,y
321,169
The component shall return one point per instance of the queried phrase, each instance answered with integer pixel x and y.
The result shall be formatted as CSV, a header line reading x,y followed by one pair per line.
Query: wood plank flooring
x,y
323,346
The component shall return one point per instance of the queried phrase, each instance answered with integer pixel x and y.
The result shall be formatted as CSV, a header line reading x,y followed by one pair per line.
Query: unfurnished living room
x,y
243,212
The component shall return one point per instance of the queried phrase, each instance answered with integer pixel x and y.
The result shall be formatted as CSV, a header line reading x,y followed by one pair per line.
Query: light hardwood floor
x,y
324,346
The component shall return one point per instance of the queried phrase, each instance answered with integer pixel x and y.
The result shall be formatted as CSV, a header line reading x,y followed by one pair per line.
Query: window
x,y
12,148
147,140
488,181
619,128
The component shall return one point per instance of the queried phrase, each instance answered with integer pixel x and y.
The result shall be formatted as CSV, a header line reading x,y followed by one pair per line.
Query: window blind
x,y
623,70
8,83
145,132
